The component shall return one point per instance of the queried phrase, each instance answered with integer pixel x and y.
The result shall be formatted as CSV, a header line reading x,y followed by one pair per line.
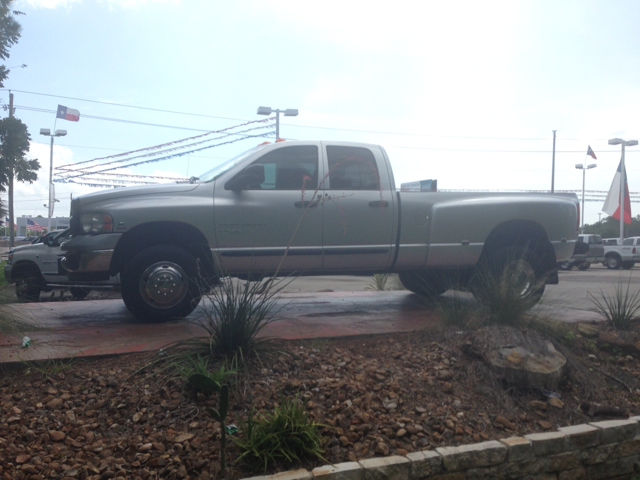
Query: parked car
x,y
625,255
36,268
588,250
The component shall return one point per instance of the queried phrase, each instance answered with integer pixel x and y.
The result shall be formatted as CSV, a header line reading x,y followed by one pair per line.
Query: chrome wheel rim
x,y
164,285
521,276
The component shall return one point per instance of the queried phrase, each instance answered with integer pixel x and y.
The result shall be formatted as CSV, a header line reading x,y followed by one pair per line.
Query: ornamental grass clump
x,y
507,288
283,437
620,310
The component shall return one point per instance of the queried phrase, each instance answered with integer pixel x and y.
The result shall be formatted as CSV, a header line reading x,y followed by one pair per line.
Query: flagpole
x,y
622,194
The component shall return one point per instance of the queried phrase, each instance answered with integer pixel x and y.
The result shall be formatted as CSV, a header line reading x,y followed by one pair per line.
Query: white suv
x,y
36,268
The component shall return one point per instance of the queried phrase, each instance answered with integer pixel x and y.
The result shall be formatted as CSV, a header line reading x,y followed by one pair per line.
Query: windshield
x,y
223,167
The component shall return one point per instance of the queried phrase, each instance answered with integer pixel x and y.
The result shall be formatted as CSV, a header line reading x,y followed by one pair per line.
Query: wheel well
x,y
150,234
614,254
522,233
24,269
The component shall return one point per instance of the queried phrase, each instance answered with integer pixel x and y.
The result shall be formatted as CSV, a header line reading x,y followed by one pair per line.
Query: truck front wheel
x,y
424,283
161,283
28,289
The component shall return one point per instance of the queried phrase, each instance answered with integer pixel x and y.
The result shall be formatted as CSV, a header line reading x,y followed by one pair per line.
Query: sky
x,y
465,92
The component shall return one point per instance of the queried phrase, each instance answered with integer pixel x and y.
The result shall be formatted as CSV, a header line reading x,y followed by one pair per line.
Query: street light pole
x,y
584,169
623,181
57,133
289,112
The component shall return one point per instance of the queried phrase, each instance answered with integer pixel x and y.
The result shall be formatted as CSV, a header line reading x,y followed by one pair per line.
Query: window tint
x,y
290,168
628,241
352,168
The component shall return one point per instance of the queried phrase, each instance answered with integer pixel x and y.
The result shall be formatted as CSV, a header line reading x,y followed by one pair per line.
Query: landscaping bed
x,y
375,396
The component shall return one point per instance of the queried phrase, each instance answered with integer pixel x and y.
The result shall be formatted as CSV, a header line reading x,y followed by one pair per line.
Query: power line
x,y
289,125
124,105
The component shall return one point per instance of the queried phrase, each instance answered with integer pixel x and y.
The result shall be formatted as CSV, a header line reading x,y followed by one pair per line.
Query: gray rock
x,y
521,367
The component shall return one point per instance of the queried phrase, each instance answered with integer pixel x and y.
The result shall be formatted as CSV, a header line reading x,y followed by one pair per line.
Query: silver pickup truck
x,y
308,208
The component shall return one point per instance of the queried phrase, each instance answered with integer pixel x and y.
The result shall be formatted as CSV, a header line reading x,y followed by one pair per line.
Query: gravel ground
x,y
374,396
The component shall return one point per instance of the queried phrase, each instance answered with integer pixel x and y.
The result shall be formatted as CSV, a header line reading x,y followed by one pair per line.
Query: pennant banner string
x,y
175,155
156,147
66,168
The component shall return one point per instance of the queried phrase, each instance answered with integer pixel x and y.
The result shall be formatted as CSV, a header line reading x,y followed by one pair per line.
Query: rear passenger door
x,y
358,209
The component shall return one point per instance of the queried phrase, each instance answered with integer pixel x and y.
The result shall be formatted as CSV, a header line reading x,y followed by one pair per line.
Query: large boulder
x,y
521,367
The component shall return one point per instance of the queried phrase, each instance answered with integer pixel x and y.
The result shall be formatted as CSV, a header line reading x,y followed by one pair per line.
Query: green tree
x,y
9,34
14,145
610,228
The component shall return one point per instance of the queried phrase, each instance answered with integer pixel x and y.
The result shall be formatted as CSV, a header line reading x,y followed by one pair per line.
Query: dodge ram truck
x,y
309,208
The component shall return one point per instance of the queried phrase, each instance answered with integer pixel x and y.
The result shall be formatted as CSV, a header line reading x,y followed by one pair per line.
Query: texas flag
x,y
612,203
68,114
591,153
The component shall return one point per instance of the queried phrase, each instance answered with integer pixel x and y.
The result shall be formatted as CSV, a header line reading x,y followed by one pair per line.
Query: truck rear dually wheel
x,y
517,270
161,283
584,266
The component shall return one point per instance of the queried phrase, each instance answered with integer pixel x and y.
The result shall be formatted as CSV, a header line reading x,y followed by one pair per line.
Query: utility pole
x,y
553,161
10,175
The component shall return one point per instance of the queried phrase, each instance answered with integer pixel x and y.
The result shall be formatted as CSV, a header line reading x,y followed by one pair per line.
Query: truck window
x,y
595,240
352,168
627,241
290,168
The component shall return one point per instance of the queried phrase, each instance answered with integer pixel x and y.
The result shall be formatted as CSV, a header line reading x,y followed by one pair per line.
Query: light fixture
x,y
289,112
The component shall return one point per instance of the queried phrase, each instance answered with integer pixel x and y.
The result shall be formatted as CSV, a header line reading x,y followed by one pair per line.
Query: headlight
x,y
96,223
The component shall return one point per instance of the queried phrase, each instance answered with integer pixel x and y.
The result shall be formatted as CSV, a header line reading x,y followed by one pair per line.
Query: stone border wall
x,y
590,451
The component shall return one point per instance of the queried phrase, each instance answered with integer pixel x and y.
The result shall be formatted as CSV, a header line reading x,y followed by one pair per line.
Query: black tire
x,y
424,283
613,262
584,266
517,267
79,293
28,289
161,283
565,266
628,265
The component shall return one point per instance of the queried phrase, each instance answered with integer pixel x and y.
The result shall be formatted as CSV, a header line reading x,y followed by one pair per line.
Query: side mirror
x,y
249,177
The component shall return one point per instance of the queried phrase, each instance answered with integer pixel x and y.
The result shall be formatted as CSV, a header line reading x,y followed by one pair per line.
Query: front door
x,y
273,226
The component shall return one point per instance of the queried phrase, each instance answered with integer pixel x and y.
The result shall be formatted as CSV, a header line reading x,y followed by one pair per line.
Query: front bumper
x,y
89,253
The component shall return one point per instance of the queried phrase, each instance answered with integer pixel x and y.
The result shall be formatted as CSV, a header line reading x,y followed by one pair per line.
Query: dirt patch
x,y
377,396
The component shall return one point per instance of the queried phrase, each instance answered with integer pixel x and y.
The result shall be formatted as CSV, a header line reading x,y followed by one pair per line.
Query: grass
x,y
378,282
284,436
49,368
621,308
456,311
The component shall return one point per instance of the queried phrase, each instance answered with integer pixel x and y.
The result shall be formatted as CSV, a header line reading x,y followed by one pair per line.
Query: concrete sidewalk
x,y
104,327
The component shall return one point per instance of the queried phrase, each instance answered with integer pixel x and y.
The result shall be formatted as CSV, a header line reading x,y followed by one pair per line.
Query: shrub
x,y
378,282
619,309
284,436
